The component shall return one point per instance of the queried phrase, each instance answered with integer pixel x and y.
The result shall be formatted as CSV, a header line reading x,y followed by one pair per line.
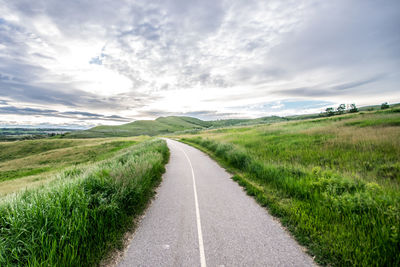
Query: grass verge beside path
x,y
77,218
342,221
27,164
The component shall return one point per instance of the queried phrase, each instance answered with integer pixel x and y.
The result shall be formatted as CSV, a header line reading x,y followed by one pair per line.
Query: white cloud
x,y
131,58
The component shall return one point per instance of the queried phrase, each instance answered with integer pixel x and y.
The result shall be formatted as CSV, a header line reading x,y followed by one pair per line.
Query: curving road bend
x,y
201,217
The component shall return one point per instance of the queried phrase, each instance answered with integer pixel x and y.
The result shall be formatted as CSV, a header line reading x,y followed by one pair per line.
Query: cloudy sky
x,y
109,62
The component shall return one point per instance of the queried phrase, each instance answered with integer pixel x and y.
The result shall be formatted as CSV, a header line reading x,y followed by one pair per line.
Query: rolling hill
x,y
164,125
173,124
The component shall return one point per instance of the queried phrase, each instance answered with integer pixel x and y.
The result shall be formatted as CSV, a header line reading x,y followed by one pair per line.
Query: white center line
x,y
201,245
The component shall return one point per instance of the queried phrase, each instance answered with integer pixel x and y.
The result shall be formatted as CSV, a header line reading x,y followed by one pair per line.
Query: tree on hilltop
x,y
385,105
353,108
341,108
330,111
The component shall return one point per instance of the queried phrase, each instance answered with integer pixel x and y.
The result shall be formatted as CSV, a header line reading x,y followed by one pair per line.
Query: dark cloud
x,y
351,88
54,113
67,126
145,30
43,56
26,111
351,85
5,77
46,94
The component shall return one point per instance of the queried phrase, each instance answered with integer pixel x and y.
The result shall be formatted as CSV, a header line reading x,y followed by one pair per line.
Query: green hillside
x,y
164,125
174,124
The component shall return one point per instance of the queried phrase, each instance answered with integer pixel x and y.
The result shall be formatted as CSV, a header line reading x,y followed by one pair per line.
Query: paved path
x,y
201,217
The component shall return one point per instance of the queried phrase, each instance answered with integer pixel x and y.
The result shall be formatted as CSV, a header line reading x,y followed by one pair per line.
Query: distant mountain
x,y
164,125
17,133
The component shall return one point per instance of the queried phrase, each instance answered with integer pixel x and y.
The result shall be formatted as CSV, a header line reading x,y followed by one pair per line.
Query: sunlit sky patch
x,y
84,63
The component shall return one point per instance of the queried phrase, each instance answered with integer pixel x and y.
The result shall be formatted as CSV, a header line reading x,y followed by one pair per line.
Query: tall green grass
x,y
343,220
27,164
82,214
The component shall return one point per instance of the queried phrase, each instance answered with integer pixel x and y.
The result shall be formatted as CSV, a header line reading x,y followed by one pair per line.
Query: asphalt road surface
x,y
201,217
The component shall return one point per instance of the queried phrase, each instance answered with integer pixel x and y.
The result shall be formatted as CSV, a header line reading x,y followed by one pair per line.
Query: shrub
x,y
222,149
238,159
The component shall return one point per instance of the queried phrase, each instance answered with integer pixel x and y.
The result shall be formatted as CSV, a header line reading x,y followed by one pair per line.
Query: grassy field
x,y
29,162
84,211
333,182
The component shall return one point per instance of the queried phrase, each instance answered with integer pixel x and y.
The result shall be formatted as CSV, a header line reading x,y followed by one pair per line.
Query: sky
x,y
83,63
